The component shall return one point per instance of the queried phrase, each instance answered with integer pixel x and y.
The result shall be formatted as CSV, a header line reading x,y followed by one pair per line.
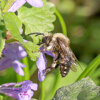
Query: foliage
x,y
83,30
2,34
37,19
84,89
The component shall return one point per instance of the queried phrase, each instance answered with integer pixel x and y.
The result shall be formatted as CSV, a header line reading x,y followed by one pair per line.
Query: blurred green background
x,y
82,18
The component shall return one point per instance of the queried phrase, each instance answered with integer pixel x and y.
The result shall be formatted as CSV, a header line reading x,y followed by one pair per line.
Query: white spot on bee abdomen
x,y
65,67
53,65
64,72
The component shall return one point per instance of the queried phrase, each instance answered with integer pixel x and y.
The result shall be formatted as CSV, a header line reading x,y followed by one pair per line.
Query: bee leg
x,y
49,47
44,49
48,70
53,66
36,51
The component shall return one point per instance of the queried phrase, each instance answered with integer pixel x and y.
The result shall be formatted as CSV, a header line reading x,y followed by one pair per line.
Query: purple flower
x,y
18,3
13,52
42,64
22,90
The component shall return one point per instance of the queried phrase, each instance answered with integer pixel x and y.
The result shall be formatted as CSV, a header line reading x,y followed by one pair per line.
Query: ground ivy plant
x,y
18,18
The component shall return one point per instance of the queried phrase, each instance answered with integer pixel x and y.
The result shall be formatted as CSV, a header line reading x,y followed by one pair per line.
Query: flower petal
x,y
41,62
16,5
14,51
35,3
34,86
21,31
41,75
5,63
9,91
25,95
22,90
17,66
8,84
48,52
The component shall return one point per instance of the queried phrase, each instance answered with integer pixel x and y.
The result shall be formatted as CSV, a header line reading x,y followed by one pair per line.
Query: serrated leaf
x,y
37,19
31,48
14,25
84,89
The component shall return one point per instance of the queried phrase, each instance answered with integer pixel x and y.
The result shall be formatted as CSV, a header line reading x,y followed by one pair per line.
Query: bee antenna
x,y
36,34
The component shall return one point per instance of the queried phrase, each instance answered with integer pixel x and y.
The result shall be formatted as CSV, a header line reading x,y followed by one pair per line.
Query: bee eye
x,y
45,39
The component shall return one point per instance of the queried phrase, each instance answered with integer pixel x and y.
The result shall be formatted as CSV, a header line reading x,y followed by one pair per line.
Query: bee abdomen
x,y
64,70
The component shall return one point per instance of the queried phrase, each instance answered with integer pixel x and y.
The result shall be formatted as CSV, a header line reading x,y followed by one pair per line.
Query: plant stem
x,y
33,69
42,91
19,78
26,69
63,25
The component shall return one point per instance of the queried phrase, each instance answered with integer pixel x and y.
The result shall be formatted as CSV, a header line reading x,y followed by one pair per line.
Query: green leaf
x,y
1,97
0,14
84,89
90,68
95,76
31,48
2,36
56,81
2,4
2,43
14,25
37,19
8,5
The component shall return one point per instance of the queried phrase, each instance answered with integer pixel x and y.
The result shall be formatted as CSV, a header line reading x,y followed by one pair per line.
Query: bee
x,y
59,45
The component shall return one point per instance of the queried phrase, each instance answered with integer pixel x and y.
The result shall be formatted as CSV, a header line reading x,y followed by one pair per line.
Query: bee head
x,y
47,39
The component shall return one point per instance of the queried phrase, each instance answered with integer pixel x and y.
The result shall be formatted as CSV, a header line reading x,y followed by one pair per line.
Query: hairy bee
x,y
59,45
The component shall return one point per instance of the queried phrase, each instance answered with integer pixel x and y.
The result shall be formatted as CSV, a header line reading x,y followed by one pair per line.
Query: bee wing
x,y
76,63
61,45
73,67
